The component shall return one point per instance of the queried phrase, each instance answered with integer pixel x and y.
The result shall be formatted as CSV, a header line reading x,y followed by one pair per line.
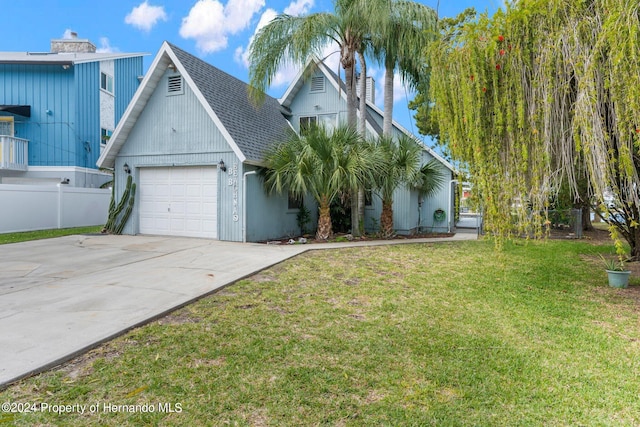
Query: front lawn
x,y
419,334
46,234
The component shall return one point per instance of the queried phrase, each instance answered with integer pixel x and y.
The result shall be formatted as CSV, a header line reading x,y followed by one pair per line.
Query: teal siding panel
x,y
126,82
86,140
43,87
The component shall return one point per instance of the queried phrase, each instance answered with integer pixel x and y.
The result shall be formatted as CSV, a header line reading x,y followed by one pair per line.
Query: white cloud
x,y
210,23
145,16
300,7
238,13
241,55
287,71
105,46
68,34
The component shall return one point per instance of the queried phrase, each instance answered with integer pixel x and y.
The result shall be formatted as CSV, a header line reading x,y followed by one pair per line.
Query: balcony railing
x,y
14,153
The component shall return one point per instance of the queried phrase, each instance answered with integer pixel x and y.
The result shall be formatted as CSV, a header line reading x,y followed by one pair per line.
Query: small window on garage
x,y
175,85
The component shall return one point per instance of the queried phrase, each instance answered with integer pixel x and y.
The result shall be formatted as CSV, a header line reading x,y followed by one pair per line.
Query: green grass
x,y
447,334
46,234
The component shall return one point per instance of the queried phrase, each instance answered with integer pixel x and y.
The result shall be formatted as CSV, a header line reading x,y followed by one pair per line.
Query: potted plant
x,y
617,272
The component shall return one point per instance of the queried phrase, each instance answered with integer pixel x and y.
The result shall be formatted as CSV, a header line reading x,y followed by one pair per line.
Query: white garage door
x,y
179,201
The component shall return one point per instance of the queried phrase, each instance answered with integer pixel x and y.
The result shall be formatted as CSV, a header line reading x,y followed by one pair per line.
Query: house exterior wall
x,y
268,216
326,105
86,140
107,99
126,73
64,127
442,199
49,90
175,130
411,213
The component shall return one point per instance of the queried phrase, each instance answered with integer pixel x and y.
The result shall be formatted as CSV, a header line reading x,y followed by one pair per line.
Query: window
x,y
106,82
105,134
368,198
328,121
6,125
306,123
294,202
174,85
317,84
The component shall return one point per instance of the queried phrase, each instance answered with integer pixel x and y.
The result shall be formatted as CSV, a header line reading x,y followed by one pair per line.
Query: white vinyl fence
x,y
40,207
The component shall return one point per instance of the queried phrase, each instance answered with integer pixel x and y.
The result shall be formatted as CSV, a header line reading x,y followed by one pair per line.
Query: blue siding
x,y
126,83
43,88
69,135
87,129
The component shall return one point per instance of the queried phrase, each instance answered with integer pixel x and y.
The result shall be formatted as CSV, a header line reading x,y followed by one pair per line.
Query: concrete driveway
x,y
60,297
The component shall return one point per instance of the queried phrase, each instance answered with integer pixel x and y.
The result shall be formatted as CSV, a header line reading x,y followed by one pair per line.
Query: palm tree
x,y
402,30
430,179
323,165
401,160
297,38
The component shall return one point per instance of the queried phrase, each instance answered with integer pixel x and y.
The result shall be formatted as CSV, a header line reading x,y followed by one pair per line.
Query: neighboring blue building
x,y
58,110
193,142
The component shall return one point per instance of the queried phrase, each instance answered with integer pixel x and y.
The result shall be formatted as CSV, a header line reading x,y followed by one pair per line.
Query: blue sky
x,y
217,31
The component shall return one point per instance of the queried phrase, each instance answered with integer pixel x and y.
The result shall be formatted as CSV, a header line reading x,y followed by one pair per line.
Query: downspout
x,y
244,204
450,207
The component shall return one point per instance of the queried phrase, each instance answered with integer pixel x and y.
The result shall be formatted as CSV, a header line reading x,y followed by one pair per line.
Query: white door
x,y
179,201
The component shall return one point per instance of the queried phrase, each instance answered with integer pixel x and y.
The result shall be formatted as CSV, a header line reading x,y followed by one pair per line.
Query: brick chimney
x,y
72,45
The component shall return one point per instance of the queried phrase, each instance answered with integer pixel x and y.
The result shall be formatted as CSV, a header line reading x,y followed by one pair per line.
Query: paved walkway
x,y
60,297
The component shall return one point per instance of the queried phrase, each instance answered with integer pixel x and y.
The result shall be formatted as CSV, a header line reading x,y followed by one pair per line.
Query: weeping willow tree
x,y
535,93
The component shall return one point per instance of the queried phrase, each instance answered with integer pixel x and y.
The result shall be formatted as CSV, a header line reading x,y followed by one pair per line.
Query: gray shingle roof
x,y
253,128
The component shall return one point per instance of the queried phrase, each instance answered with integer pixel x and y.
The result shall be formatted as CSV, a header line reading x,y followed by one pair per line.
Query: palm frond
x,y
286,39
430,179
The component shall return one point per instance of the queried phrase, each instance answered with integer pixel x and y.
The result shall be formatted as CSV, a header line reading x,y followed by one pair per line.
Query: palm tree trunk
x,y
357,203
362,125
387,120
386,219
348,60
324,221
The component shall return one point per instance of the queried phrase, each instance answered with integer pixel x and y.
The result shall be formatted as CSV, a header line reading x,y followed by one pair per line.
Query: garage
x,y
179,201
